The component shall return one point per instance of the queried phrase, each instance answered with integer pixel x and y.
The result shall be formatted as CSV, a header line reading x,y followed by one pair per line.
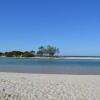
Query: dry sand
x,y
15,86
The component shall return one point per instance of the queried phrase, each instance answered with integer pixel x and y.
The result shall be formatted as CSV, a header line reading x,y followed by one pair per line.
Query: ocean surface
x,y
51,66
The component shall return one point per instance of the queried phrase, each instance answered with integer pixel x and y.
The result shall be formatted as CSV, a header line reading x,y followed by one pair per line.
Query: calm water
x,y
50,66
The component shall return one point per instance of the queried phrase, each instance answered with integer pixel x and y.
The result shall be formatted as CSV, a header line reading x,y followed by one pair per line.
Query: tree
x,y
41,51
49,50
52,50
1,53
17,53
13,54
33,52
27,54
8,54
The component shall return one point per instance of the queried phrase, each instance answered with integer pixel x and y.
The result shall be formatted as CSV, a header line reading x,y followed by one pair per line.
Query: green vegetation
x,y
41,52
47,51
13,54
52,50
27,54
1,53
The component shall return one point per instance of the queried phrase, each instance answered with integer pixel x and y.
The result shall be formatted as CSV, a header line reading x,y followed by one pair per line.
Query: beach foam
x,y
15,86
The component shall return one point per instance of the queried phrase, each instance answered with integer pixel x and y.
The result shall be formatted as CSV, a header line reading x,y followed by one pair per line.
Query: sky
x,y
71,25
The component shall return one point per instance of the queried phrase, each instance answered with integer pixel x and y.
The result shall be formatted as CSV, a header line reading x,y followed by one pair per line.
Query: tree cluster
x,y
18,54
42,51
47,51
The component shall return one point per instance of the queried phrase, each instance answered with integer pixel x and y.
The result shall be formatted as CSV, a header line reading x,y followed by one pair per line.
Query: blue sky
x,y
71,25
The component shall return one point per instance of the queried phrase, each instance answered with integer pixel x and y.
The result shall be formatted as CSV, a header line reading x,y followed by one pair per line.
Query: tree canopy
x,y
42,51
48,50
1,53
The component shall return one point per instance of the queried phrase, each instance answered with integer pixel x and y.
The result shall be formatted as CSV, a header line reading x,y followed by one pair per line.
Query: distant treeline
x,y
42,51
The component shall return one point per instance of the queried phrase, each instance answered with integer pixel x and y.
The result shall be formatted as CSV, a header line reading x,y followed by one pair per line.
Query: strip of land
x,y
54,57
19,86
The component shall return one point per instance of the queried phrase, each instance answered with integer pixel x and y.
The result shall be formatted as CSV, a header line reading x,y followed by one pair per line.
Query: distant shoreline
x,y
59,57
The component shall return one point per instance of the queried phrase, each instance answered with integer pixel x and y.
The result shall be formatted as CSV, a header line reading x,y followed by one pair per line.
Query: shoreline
x,y
24,86
45,74
63,58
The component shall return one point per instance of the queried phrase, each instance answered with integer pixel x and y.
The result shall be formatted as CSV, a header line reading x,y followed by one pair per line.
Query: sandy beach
x,y
19,86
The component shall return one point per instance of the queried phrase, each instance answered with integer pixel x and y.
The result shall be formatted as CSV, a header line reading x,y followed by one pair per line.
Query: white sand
x,y
49,87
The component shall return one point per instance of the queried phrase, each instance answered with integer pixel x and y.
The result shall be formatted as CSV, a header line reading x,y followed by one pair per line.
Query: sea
x,y
51,66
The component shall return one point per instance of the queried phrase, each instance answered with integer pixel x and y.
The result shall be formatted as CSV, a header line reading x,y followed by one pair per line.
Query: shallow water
x,y
50,66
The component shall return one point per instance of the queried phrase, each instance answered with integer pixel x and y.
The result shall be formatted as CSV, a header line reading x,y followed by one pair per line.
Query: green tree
x,y
1,53
52,50
27,54
17,53
49,50
13,54
33,52
41,51
8,54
